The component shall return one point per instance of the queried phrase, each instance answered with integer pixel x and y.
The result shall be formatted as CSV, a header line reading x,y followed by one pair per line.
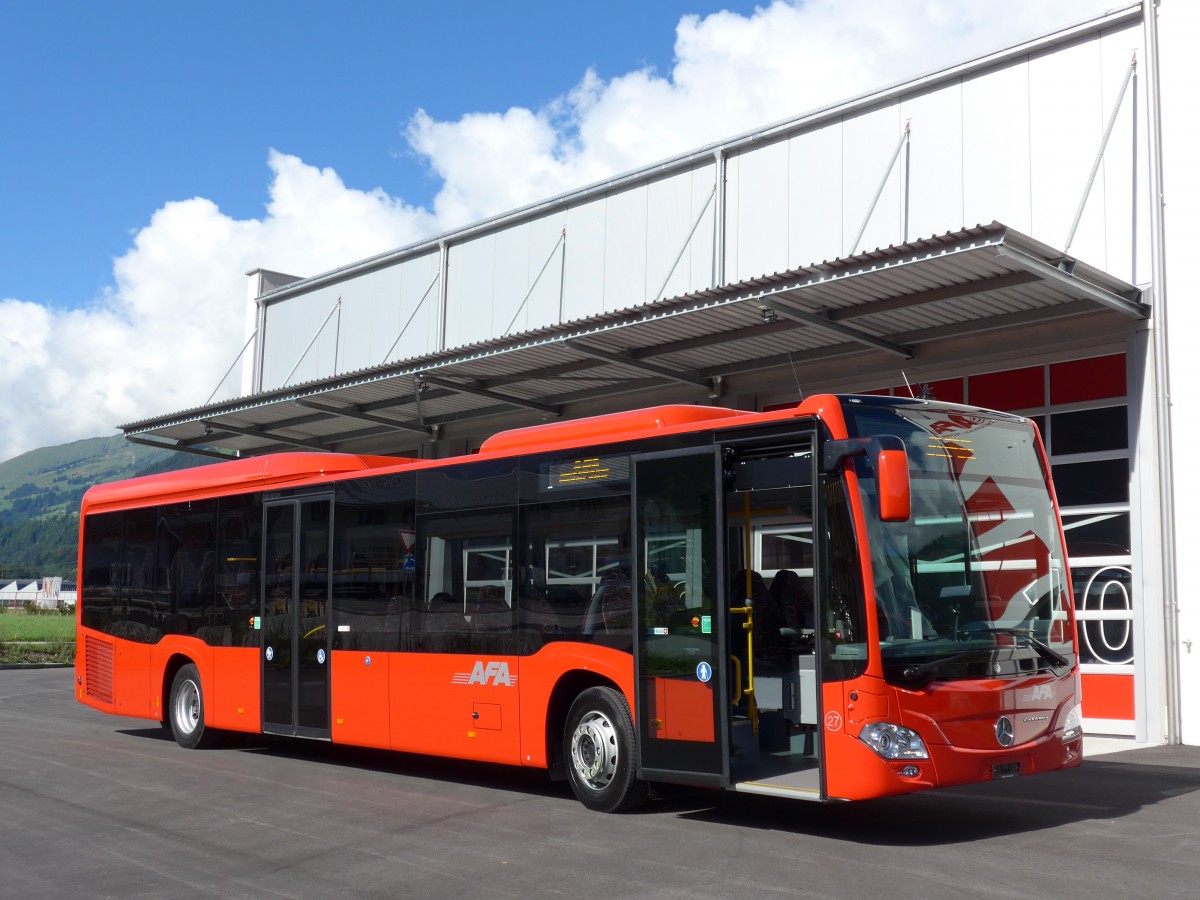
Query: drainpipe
x,y
1158,276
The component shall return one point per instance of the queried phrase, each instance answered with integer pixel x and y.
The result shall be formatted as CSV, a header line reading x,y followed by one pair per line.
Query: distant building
x,y
49,593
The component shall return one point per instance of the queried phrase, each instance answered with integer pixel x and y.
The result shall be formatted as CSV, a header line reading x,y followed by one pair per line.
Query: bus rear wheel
x,y
600,752
185,710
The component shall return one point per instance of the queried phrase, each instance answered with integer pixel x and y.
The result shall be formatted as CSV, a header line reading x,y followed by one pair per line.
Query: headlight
x,y
1073,724
893,741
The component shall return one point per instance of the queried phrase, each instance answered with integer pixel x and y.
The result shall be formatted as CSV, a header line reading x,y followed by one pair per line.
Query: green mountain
x,y
40,493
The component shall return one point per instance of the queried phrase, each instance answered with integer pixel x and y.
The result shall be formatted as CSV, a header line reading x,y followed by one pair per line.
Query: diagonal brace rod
x,y
1112,120
337,308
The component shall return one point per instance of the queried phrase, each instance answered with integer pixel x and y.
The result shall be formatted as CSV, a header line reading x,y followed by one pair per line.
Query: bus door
x,y
774,704
297,547
680,657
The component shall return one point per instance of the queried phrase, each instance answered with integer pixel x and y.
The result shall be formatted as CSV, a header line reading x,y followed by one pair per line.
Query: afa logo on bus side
x,y
493,673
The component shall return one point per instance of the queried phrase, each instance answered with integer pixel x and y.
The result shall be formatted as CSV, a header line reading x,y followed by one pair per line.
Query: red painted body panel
x,y
683,710
361,695
434,703
956,720
236,693
132,688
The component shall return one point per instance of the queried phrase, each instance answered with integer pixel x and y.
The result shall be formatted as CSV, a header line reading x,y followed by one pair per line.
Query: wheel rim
x,y
595,751
187,707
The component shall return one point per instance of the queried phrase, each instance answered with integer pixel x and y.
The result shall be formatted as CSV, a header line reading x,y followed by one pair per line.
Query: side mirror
x,y
889,459
891,482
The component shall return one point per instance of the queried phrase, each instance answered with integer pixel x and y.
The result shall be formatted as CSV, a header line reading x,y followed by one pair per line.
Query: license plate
x,y
1006,770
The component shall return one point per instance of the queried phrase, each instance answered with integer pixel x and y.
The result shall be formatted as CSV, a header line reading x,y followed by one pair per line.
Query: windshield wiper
x,y
1045,651
923,673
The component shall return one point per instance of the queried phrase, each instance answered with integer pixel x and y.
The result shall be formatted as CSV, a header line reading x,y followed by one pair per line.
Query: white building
x,y
47,594
997,231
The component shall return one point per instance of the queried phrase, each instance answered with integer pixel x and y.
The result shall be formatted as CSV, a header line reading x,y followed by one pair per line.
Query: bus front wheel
x,y
185,711
599,748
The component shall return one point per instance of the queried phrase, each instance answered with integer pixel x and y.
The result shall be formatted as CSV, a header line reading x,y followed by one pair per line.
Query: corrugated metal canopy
x,y
892,301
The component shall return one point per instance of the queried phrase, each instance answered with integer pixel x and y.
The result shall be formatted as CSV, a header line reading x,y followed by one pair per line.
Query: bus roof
x,y
273,470
280,470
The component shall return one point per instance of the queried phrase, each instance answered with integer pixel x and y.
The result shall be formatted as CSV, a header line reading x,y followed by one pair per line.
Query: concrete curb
x,y
37,665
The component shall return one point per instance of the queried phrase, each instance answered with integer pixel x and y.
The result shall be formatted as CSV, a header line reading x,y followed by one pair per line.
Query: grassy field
x,y
21,627
36,639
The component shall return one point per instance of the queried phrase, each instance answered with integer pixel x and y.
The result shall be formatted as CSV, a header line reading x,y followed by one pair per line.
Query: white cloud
x,y
164,334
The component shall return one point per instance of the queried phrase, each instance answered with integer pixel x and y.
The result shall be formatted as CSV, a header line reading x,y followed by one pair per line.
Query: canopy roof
x,y
895,301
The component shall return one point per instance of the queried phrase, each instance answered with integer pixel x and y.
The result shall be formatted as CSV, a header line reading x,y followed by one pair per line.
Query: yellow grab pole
x,y
748,625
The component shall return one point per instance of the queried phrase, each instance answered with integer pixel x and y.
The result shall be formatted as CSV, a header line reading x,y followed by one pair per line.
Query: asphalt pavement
x,y
99,806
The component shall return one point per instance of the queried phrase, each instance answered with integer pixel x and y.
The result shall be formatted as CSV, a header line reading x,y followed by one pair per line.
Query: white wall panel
x,y
1066,124
374,308
625,249
995,117
674,203
815,196
583,293
934,165
290,329
513,259
419,297
868,142
469,291
368,304
762,220
545,243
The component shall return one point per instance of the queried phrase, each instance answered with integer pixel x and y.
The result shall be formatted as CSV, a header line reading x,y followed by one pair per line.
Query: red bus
x,y
851,598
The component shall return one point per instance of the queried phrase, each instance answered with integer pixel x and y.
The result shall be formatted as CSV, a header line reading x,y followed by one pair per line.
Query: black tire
x,y
600,752
185,711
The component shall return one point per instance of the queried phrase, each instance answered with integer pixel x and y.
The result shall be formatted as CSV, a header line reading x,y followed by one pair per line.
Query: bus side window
x,y
574,567
465,576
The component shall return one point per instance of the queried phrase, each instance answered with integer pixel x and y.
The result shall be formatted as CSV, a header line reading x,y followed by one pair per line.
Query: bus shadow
x,y
386,762
408,765
1105,788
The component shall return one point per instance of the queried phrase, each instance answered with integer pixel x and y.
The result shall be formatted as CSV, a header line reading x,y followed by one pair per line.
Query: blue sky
x,y
113,109
153,152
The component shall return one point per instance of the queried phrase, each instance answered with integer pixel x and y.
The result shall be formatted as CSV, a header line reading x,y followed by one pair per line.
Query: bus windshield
x,y
974,584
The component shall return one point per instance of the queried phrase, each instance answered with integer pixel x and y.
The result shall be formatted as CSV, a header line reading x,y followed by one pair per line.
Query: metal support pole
x,y
1112,120
418,389
718,276
337,337
1166,477
879,190
260,350
443,294
562,278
